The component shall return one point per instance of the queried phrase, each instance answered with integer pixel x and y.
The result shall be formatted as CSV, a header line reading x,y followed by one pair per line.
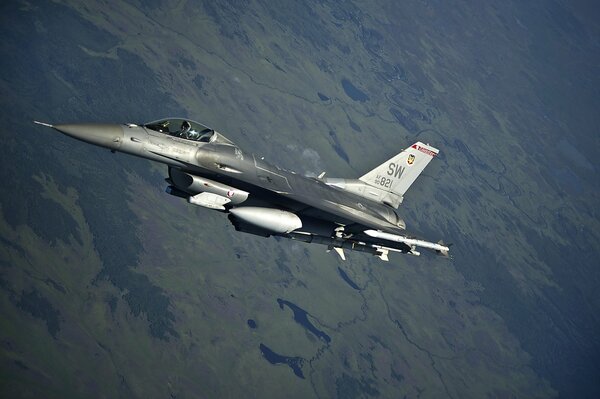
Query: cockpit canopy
x,y
186,129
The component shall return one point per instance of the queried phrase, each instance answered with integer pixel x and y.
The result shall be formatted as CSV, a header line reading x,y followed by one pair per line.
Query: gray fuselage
x,y
221,160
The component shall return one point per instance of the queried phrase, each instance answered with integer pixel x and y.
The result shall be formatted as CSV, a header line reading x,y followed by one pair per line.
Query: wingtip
x,y
43,123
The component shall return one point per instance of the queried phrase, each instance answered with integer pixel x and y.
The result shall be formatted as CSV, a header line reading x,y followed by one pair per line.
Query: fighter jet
x,y
210,171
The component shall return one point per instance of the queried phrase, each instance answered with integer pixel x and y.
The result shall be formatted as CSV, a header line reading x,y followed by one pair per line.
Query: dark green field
x,y
109,287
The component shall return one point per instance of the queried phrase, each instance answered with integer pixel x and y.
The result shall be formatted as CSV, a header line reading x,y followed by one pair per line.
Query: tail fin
x,y
398,173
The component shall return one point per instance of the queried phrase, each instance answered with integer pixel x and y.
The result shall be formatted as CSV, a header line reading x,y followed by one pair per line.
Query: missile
x,y
339,244
438,247
333,242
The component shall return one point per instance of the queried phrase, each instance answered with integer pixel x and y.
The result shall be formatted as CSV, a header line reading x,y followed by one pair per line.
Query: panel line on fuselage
x,y
257,166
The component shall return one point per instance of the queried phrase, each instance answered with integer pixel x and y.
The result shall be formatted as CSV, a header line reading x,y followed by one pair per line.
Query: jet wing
x,y
371,233
337,212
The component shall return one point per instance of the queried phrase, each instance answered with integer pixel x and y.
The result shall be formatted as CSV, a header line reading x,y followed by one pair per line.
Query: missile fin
x,y
383,255
340,252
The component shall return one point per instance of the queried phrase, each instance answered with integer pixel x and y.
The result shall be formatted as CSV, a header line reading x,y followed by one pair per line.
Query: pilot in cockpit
x,y
187,131
185,128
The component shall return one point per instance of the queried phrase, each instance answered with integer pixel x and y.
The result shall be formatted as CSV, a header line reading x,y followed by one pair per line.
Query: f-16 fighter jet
x,y
210,171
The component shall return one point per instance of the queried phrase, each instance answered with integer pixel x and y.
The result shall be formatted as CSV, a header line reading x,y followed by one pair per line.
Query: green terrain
x,y
110,288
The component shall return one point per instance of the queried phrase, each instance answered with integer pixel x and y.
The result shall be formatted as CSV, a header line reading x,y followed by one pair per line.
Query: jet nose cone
x,y
104,135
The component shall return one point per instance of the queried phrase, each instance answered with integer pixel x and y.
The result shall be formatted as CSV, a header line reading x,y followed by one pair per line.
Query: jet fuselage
x,y
260,198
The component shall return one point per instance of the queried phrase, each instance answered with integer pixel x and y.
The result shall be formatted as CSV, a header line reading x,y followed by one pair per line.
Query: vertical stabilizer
x,y
398,173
